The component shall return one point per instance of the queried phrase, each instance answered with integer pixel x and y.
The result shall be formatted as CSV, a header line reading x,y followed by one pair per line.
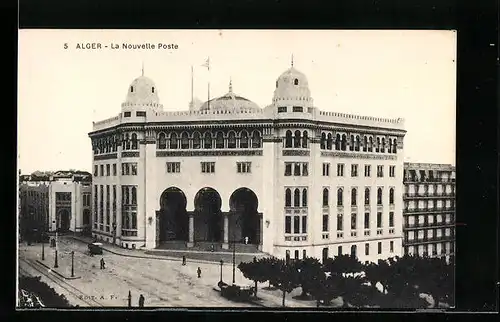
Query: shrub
x,y
47,294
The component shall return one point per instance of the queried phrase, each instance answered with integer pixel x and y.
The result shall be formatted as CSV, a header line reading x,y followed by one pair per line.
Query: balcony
x,y
430,195
429,225
426,240
428,210
428,180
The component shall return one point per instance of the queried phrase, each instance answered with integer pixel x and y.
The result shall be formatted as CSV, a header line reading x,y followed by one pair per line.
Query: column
x,y
261,234
191,230
225,245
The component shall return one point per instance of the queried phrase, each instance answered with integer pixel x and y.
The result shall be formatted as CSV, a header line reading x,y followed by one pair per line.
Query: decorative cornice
x,y
197,153
296,152
130,154
105,156
358,155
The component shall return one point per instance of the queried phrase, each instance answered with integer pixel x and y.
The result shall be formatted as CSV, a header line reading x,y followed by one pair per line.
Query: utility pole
x,y
72,263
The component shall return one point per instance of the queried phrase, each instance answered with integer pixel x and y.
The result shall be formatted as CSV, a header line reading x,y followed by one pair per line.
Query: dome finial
x,y
292,60
230,85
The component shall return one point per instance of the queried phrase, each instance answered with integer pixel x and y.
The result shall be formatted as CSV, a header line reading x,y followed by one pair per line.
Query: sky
x,y
391,74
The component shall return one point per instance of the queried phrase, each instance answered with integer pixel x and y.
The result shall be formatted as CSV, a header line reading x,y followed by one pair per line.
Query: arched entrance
x,y
245,221
63,220
208,219
173,218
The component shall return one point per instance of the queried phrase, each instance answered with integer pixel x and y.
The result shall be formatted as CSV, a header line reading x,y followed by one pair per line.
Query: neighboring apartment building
x,y
429,209
55,200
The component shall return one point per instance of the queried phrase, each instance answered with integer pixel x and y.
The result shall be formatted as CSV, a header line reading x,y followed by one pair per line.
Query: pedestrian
x,y
183,260
246,240
141,300
103,265
199,272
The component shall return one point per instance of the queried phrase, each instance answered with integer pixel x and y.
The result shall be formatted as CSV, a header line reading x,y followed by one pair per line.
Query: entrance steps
x,y
205,246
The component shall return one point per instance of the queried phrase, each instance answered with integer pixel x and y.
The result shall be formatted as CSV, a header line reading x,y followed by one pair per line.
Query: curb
x,y
56,272
168,258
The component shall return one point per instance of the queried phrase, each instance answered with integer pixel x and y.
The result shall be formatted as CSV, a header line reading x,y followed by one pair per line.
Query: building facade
x,y
289,178
56,201
429,209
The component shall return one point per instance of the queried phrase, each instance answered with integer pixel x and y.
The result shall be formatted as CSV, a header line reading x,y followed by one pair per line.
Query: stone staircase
x,y
208,247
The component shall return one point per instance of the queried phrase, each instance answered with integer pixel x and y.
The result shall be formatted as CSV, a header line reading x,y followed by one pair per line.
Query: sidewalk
x,y
202,257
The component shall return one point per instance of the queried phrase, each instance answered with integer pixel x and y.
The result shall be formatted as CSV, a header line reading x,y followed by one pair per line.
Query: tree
x,y
284,277
309,271
342,264
255,271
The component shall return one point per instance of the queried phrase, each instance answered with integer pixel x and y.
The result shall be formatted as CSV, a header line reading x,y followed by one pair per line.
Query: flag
x,y
207,63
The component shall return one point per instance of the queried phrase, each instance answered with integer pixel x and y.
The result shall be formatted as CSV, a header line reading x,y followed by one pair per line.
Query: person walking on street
x,y
183,260
103,265
199,272
141,300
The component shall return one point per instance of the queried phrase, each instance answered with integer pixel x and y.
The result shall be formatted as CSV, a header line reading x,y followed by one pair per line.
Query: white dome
x,y
142,91
230,102
292,86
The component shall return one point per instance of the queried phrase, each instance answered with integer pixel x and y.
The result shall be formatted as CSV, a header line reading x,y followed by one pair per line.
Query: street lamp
x,y
234,258
72,263
55,259
221,263
43,247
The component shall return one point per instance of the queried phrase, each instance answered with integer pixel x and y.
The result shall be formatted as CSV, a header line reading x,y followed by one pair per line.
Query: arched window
x,y
354,196
365,144
219,141
391,196
304,139
196,140
353,221
134,195
127,196
127,142
244,140
296,198
329,141
304,198
340,197
379,196
382,148
162,141
367,196
207,141
343,143
134,141
296,81
377,147
351,143
325,197
231,140
184,141
338,142
395,146
131,89
256,140
152,89
353,250
124,144
389,148
370,144
288,198
288,139
173,140
115,143
296,141
358,143
323,141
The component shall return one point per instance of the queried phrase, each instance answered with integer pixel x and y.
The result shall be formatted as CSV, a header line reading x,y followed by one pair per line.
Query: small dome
x,y
230,101
292,85
142,91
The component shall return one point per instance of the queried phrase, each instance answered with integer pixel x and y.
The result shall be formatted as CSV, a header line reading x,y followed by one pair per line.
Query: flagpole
x,y
192,85
208,66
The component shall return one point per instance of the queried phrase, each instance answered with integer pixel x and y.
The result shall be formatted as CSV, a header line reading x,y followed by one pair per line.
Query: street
x,y
163,283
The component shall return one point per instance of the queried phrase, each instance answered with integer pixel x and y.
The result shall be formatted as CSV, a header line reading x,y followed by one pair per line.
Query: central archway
x,y
174,220
208,219
245,222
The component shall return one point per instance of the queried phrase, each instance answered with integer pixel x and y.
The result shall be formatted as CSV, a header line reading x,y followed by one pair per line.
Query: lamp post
x,y
72,263
221,263
43,247
234,260
55,259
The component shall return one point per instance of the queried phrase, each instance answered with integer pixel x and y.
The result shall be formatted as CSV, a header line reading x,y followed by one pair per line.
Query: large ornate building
x,y
429,209
51,201
294,180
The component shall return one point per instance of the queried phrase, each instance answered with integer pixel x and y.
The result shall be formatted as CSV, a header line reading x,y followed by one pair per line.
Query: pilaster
x,y
225,245
270,196
191,230
148,166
